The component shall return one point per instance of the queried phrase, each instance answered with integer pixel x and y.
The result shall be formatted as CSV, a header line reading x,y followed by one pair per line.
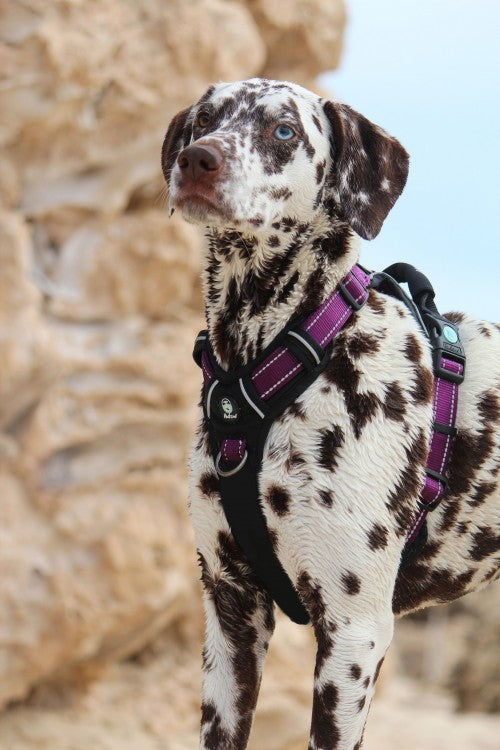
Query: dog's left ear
x,y
369,169
173,142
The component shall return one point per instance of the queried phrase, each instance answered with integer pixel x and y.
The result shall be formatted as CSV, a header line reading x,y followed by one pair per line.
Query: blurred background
x,y
100,614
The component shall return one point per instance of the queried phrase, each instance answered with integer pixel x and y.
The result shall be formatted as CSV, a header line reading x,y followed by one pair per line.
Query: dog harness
x,y
240,406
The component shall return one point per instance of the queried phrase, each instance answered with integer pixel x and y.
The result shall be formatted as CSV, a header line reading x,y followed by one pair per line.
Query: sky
x,y
428,72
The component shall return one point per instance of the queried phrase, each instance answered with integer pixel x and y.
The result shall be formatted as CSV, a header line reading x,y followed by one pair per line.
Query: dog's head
x,y
252,153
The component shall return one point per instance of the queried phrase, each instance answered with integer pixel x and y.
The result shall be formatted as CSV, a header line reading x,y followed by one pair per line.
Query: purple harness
x,y
284,364
240,406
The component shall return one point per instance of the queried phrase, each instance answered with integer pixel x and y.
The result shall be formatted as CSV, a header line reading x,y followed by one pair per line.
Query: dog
x,y
284,181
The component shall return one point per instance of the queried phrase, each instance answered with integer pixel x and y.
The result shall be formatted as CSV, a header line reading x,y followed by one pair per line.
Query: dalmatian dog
x,y
284,181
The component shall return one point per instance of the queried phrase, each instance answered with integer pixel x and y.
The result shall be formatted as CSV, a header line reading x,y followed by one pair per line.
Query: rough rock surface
x,y
99,303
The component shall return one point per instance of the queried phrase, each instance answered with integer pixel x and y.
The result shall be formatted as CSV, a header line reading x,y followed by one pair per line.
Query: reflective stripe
x,y
306,344
254,406
209,396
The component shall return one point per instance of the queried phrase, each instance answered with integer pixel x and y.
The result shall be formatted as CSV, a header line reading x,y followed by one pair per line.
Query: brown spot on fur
x,y
412,348
355,671
377,536
310,593
486,543
333,246
363,343
352,583
341,372
455,317
376,302
281,193
294,459
317,123
423,388
297,410
366,682
287,288
417,584
313,293
361,703
209,483
215,736
329,444
326,498
483,490
394,404
402,498
471,451
279,499
324,730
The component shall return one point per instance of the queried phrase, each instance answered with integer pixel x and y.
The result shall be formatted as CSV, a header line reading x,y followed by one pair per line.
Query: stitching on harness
x,y
417,521
338,323
322,312
261,370
445,452
205,370
281,380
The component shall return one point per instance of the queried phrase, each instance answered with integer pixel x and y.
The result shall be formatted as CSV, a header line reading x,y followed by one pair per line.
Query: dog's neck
x,y
254,284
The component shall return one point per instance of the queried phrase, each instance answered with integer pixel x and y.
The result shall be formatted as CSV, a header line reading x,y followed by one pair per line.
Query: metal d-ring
x,y
236,469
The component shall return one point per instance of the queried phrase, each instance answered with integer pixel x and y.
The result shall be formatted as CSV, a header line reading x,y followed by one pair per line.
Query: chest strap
x,y
240,407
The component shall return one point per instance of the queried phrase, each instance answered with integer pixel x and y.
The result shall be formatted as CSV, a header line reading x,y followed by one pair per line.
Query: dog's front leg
x,y
351,649
239,624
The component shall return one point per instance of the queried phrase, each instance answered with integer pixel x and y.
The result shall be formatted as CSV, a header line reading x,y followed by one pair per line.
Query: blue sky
x,y
428,71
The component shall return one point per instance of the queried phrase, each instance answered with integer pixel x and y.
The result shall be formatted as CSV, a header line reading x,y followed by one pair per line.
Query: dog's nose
x,y
200,161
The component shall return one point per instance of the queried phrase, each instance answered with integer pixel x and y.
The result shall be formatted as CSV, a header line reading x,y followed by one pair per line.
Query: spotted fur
x,y
344,464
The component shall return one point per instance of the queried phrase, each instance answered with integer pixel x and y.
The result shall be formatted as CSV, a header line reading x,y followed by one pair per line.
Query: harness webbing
x,y
448,359
241,405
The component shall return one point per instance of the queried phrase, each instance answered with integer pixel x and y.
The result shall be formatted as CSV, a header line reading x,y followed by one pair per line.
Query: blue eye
x,y
284,133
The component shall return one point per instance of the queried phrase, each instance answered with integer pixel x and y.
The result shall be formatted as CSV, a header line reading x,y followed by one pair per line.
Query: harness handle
x,y
420,287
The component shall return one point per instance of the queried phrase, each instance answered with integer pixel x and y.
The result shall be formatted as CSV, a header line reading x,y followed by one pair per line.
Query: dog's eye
x,y
284,133
202,119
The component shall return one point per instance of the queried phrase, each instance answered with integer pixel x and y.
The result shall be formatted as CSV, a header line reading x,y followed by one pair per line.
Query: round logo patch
x,y
229,409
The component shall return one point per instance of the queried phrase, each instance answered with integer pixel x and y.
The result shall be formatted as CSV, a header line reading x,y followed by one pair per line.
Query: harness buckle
x,y
345,293
445,342
429,507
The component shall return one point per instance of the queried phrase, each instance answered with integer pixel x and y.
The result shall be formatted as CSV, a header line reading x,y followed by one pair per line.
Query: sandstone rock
x,y
303,37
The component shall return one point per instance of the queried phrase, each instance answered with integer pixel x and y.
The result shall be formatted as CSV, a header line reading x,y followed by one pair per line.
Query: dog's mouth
x,y
198,198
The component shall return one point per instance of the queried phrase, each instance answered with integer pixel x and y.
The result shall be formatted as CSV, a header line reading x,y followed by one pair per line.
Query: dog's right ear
x,y
175,140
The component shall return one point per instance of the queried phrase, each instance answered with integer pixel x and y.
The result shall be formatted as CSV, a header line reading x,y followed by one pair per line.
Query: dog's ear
x,y
369,169
174,142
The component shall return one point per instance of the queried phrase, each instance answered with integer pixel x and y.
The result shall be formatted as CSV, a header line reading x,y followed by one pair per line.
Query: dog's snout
x,y
198,161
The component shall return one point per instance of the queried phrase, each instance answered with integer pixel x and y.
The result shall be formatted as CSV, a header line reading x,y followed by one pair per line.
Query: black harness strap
x,y
239,491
